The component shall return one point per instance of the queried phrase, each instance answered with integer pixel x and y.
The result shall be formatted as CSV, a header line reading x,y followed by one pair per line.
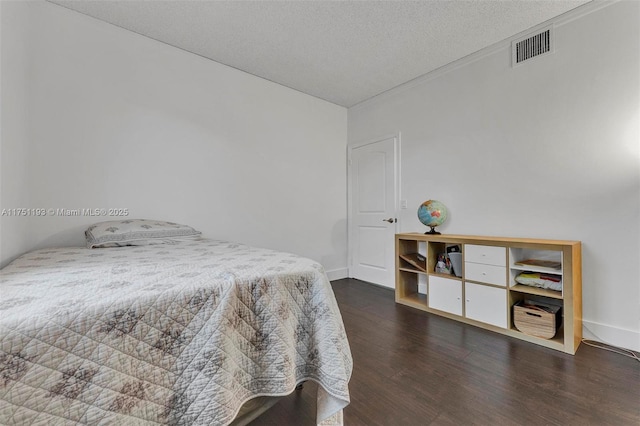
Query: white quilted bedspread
x,y
168,334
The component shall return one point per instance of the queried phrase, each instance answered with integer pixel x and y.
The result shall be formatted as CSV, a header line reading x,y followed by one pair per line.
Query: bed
x,y
183,334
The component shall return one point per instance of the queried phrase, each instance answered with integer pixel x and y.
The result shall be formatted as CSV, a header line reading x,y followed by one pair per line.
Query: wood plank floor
x,y
415,368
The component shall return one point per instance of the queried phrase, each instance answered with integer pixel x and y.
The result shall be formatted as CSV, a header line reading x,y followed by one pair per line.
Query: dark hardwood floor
x,y
415,368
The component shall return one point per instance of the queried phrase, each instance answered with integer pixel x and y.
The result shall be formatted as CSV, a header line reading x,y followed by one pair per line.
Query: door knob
x,y
390,220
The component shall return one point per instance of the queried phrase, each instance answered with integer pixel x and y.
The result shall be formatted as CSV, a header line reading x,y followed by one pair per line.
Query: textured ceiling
x,y
341,51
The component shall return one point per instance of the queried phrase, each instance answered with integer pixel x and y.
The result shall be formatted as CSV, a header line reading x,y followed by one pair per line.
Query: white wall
x,y
549,149
120,120
14,73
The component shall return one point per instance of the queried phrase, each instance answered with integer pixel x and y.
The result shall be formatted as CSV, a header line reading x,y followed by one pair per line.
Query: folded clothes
x,y
541,280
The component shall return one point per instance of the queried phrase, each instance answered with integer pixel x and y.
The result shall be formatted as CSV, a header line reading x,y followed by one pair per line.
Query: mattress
x,y
180,334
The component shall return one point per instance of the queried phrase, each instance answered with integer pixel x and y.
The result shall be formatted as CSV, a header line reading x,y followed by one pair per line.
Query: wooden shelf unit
x,y
485,294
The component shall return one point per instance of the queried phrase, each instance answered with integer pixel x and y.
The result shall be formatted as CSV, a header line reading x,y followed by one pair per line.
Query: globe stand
x,y
432,231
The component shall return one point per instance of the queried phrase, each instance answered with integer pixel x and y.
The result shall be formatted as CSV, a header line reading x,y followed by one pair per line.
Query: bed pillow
x,y
137,232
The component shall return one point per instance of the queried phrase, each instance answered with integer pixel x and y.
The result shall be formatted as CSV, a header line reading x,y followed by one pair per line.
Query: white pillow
x,y
137,232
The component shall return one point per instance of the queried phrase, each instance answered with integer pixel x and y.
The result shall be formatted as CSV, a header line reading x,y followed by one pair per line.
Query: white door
x,y
372,211
445,294
486,304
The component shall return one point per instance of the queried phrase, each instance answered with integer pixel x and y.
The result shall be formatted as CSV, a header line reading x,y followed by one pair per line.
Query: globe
x,y
432,213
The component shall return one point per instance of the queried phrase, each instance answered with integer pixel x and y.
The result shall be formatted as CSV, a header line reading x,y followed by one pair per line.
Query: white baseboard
x,y
628,339
338,274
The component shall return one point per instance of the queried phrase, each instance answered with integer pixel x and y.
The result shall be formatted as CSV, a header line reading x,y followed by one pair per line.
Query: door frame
x,y
396,187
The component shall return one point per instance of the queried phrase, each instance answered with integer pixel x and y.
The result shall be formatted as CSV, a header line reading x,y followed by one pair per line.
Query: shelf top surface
x,y
446,238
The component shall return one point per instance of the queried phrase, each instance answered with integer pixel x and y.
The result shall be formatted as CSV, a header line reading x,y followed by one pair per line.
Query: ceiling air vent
x,y
531,46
